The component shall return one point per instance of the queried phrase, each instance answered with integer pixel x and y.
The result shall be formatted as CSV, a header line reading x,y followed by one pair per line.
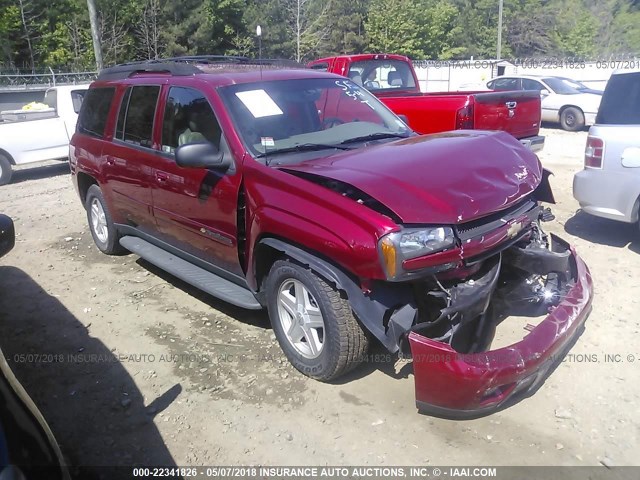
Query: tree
x,y
416,28
307,23
148,30
574,34
10,25
529,28
27,18
345,21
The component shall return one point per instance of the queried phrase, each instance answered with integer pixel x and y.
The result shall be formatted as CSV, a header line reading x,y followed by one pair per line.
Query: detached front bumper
x,y
454,385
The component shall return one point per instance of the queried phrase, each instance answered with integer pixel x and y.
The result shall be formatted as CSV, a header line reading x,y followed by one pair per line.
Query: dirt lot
x,y
131,366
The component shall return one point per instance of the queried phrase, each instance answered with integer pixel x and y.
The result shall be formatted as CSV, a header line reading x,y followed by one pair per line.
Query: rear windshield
x,y
382,74
621,101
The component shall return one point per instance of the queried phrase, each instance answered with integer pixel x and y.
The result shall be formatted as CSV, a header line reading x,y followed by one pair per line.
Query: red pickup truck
x,y
393,80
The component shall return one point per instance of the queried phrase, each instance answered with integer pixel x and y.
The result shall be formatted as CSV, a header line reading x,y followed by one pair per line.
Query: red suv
x,y
298,191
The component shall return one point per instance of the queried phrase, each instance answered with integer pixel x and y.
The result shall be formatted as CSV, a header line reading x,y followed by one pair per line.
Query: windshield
x,y
307,114
565,86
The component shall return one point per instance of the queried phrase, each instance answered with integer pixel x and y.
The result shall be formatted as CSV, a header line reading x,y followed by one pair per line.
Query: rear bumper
x,y
463,386
535,144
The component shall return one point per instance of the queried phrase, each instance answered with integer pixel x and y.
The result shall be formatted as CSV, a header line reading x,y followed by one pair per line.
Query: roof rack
x,y
185,65
127,69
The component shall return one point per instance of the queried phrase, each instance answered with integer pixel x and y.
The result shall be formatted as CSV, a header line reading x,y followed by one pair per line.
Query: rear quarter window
x,y
139,116
95,110
620,103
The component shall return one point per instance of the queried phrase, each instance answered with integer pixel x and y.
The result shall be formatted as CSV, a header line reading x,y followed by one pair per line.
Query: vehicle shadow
x,y
556,126
40,172
254,318
92,404
604,231
377,358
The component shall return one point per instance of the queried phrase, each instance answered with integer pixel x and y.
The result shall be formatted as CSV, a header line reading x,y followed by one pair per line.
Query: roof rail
x,y
185,65
207,59
125,70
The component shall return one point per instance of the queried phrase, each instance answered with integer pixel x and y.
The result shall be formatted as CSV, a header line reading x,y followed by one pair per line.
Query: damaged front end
x,y
487,330
538,277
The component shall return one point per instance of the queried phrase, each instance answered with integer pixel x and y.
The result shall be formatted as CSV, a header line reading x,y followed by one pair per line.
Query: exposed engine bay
x,y
529,278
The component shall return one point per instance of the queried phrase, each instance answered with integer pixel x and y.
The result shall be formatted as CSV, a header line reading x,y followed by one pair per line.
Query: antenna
x,y
259,34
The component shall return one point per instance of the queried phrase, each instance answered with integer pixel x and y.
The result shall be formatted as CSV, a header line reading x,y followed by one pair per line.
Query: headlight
x,y
411,243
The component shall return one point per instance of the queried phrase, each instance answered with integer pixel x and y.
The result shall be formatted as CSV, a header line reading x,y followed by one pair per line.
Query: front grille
x,y
490,222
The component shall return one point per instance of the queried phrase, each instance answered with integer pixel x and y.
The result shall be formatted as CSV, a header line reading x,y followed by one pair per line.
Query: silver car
x,y
565,101
609,185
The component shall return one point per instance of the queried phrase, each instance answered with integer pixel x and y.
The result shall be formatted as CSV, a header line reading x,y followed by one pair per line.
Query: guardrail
x,y
13,82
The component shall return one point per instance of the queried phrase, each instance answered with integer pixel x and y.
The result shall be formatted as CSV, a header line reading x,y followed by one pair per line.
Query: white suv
x,y
609,185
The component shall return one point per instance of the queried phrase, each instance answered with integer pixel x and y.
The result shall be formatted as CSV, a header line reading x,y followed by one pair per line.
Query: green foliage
x,y
416,28
56,33
574,35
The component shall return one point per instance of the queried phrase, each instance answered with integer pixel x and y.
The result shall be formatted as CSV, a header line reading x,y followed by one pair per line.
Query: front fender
x,y
354,249
371,306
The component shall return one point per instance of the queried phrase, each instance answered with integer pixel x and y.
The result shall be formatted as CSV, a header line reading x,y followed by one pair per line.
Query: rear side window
x,y
505,84
531,85
620,103
122,114
138,118
94,111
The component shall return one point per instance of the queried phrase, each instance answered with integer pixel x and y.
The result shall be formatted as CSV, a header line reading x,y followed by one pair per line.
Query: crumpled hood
x,y
444,178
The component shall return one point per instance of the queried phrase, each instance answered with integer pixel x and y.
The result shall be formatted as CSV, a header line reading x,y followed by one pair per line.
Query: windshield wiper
x,y
375,136
303,147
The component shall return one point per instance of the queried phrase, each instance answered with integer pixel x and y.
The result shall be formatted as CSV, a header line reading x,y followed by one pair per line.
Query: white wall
x,y
439,76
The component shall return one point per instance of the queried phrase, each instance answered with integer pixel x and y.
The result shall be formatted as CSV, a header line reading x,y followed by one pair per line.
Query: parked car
x,y
567,102
609,185
28,449
393,80
30,136
299,192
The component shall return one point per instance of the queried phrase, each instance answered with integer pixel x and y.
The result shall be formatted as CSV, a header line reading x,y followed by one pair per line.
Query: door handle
x,y
110,161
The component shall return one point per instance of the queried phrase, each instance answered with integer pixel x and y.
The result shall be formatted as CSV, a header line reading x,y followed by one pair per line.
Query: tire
x,y
340,342
5,170
103,231
572,119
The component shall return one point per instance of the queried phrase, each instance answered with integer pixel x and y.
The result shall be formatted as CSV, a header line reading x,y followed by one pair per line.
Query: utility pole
x,y
95,35
499,46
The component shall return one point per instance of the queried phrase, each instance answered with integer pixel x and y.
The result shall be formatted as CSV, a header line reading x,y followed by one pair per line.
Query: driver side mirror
x,y
201,155
544,92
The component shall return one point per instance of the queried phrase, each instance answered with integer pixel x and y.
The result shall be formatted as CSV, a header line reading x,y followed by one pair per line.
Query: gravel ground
x,y
131,366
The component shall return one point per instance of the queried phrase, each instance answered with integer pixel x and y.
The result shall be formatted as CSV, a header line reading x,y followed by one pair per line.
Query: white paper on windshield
x,y
259,103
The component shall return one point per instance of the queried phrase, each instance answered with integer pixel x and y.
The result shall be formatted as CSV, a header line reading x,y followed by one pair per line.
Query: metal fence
x,y
10,82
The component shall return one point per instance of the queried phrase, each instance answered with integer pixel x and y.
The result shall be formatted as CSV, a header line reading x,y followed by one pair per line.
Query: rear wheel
x,y
572,119
103,230
313,323
5,170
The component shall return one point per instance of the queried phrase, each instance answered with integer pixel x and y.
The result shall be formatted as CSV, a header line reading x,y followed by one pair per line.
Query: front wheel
x,y
103,231
313,323
572,119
